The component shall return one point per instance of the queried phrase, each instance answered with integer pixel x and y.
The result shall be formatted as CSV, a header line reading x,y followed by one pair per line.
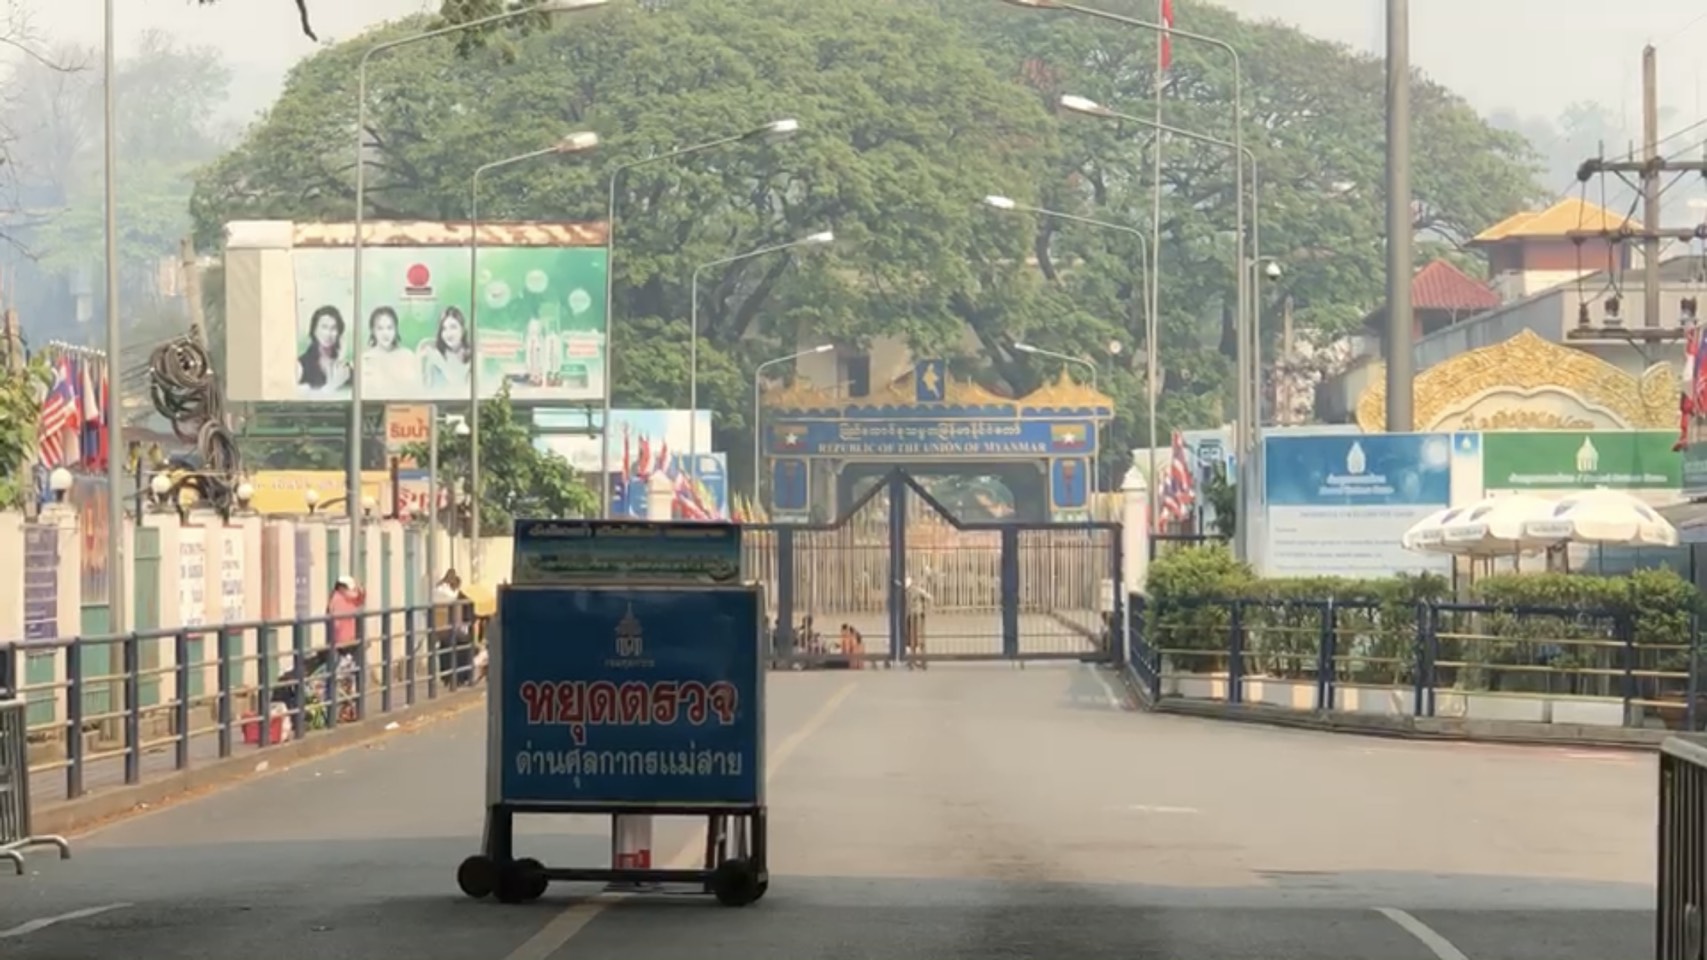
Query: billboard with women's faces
x,y
540,313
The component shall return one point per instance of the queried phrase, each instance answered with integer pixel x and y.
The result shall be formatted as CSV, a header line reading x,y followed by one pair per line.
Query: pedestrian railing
x,y
120,709
1682,888
16,834
1556,665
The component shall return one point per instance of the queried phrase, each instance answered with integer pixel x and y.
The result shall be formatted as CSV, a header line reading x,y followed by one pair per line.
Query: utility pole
x,y
1651,170
1401,226
1650,186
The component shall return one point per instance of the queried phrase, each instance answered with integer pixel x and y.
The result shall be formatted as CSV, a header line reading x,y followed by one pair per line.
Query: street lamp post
x,y
757,373
353,469
816,239
117,620
579,142
1238,145
1248,325
1067,358
1143,294
775,130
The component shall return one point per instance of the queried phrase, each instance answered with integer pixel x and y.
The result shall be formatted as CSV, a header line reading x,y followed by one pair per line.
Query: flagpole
x,y
1152,335
117,620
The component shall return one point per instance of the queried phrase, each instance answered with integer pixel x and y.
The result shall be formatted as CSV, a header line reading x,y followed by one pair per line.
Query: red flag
x,y
1166,57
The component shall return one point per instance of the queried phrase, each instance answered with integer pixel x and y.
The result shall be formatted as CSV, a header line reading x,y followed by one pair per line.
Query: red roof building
x,y
1441,295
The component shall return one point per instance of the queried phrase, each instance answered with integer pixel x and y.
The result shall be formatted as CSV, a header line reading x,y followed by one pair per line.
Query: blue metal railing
x,y
171,700
1423,659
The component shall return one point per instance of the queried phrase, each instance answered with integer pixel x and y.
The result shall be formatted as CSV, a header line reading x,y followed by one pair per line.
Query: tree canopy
x,y
910,113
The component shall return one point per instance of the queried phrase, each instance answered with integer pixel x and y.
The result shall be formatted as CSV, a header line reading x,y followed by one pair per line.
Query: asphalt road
x,y
960,813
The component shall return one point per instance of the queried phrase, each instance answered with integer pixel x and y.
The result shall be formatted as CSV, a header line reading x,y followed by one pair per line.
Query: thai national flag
x,y
1179,492
93,427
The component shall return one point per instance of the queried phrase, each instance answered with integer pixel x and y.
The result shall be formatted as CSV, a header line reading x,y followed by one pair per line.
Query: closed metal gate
x,y
899,580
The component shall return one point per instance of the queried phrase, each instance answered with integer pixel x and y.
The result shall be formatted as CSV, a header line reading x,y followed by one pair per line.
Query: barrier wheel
x,y
736,884
533,879
516,882
477,877
764,887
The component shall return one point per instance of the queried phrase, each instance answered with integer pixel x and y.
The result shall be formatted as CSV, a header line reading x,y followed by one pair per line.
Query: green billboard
x,y
1575,460
540,322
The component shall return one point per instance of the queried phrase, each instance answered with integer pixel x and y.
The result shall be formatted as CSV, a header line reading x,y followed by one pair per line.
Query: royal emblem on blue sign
x,y
630,696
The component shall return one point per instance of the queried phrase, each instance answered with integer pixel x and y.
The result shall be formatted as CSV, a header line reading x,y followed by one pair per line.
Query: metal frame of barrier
x,y
1681,908
15,832
1422,659
226,694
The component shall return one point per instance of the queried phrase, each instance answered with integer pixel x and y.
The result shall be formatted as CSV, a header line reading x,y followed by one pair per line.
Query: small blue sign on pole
x,y
626,552
638,696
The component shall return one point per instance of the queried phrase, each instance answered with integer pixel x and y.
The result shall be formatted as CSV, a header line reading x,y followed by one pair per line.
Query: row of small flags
x,y
71,430
693,500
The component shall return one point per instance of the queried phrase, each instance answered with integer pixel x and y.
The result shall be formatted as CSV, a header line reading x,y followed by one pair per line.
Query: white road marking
x,y
563,927
1153,808
31,926
1108,689
1437,944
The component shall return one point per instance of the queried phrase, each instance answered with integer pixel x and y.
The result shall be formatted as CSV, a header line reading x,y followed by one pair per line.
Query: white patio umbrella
x,y
1426,534
1496,527
1603,516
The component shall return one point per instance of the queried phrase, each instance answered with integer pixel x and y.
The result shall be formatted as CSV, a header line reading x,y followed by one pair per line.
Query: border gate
x,y
918,585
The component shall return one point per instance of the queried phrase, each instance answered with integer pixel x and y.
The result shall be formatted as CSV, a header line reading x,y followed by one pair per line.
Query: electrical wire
x,y
186,391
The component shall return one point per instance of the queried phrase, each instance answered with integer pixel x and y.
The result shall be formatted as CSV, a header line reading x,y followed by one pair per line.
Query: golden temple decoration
x,y
1527,364
1064,393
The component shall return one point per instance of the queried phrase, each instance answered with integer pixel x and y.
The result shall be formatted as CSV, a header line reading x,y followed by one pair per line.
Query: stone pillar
x,y
660,497
1134,530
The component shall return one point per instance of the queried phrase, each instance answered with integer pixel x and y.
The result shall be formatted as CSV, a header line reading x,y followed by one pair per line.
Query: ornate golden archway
x,y
1529,383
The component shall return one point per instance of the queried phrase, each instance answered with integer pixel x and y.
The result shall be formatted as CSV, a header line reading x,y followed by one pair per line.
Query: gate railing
x,y
124,708
16,835
1682,888
996,580
1560,665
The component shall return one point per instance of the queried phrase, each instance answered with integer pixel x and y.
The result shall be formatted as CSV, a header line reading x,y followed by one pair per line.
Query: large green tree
x,y
1313,120
910,112
903,124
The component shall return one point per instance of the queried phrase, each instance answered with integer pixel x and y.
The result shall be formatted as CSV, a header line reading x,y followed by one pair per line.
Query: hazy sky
x,y
1533,56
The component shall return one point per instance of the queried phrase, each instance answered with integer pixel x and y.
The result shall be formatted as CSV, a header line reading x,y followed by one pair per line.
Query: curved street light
x,y
1146,294
578,142
1067,358
353,468
758,372
821,238
1248,352
1243,436
771,132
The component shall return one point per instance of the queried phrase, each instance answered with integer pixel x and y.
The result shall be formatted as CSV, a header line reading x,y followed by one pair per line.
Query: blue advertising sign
x,y
932,438
1358,470
625,551
1339,505
612,696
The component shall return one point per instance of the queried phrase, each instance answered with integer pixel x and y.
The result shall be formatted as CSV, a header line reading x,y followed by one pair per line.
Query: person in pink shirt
x,y
347,598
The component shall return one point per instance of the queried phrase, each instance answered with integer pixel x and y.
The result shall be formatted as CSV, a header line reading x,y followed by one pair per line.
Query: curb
x,y
1437,729
70,817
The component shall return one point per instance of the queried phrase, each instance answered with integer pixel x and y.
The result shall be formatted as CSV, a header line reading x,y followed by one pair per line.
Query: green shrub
x,y
1549,625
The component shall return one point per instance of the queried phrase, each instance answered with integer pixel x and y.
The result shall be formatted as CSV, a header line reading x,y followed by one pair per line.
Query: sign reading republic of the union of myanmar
x,y
932,438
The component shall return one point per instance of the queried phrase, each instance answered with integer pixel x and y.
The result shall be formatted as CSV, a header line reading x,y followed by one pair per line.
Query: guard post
x,y
626,680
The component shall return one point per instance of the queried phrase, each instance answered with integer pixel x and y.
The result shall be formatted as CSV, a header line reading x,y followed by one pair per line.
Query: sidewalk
x,y
48,786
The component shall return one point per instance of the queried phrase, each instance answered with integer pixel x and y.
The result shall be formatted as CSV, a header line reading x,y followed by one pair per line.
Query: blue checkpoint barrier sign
x,y
644,696
625,552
